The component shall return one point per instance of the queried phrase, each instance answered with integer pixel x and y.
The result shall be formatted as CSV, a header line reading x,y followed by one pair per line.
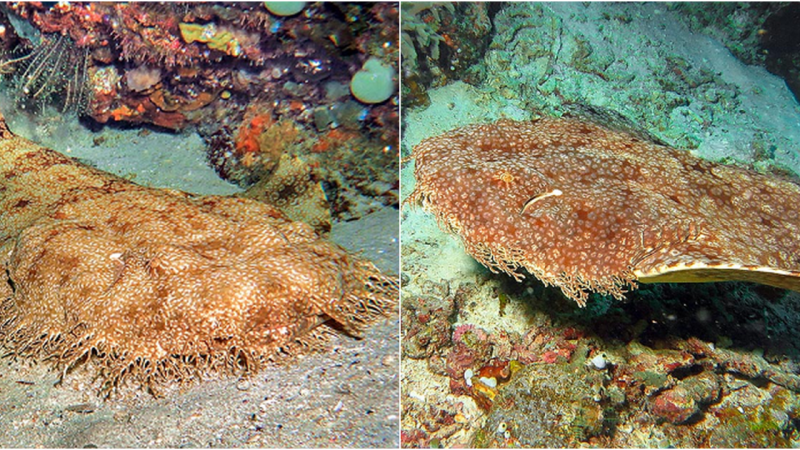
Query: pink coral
x,y
468,329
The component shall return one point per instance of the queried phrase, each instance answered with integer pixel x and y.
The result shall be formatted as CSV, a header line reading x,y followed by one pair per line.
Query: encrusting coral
x,y
156,285
588,208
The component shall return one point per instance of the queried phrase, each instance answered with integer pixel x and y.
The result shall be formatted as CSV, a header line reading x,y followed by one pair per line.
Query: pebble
x,y
490,382
389,361
416,396
468,374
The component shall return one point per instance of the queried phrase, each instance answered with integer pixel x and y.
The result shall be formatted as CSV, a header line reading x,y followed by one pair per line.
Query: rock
x,y
680,403
754,417
546,405
675,405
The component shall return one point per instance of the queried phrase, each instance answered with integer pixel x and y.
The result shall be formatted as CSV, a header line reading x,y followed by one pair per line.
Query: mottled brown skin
x,y
291,187
586,208
157,285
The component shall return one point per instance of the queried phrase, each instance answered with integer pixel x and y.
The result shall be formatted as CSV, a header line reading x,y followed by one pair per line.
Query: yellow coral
x,y
192,32
217,39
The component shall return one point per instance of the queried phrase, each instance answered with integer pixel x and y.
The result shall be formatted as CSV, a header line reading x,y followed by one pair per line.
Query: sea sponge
x,y
142,78
374,82
218,38
284,9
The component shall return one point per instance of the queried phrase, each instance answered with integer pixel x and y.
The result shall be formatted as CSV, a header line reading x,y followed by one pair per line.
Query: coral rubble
x,y
541,387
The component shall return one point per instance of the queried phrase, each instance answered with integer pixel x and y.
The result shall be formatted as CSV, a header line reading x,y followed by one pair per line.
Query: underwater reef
x,y
255,83
493,360
275,102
